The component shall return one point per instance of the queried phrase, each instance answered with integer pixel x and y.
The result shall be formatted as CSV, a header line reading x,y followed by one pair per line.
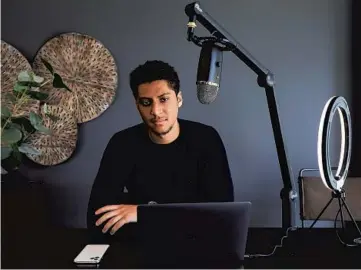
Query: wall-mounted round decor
x,y
87,68
59,145
12,63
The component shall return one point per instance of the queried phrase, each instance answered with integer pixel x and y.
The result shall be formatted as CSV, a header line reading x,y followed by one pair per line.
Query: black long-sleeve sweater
x,y
193,168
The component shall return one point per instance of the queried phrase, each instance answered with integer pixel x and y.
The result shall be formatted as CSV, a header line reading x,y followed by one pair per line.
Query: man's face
x,y
158,106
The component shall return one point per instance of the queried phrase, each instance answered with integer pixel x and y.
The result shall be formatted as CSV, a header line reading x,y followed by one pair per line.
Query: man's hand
x,y
118,215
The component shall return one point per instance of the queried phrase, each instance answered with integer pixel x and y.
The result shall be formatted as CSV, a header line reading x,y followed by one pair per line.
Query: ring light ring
x,y
331,181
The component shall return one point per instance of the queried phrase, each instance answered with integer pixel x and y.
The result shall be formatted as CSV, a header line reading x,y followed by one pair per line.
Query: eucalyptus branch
x,y
27,87
44,83
27,136
9,118
6,122
21,100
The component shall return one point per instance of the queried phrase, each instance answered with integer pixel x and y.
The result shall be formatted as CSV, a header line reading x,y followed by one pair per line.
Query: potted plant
x,y
21,116
18,124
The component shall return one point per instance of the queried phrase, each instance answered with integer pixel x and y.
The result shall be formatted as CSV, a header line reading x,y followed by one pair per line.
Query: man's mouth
x,y
159,121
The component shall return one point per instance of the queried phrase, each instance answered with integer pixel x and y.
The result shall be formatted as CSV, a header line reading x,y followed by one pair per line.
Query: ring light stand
x,y
335,182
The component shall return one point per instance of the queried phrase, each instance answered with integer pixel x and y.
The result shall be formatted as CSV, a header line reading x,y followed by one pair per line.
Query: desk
x,y
318,248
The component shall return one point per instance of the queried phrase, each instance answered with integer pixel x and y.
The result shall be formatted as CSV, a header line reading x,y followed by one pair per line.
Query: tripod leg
x,y
320,214
341,213
349,213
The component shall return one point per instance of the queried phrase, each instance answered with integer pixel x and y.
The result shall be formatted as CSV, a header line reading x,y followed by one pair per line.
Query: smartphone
x,y
91,254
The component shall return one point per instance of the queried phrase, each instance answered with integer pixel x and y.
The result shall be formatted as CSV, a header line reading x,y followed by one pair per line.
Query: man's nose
x,y
156,109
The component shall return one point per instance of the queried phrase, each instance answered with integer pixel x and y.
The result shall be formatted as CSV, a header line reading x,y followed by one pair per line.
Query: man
x,y
162,160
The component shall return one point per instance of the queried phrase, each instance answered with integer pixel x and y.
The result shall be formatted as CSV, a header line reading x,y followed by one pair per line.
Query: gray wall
x,y
355,166
305,43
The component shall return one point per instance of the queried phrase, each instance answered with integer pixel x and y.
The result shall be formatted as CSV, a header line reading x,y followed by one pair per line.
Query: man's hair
x,y
152,71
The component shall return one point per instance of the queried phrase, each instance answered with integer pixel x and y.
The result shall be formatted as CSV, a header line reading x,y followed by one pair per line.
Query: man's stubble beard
x,y
160,134
152,130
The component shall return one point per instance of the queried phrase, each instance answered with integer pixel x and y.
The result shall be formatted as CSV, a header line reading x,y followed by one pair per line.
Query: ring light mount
x,y
335,182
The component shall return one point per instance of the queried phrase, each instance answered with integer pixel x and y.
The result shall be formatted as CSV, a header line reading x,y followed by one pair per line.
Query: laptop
x,y
194,231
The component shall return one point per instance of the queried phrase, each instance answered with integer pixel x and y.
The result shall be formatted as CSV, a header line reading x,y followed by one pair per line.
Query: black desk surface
x,y
316,248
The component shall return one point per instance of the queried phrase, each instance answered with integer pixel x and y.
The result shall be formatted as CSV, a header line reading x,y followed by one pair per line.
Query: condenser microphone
x,y
209,72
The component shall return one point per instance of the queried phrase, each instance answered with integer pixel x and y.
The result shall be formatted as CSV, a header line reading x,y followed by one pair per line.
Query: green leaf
x,y
43,129
17,126
38,79
47,65
16,154
45,108
14,160
35,119
11,135
25,76
37,95
58,82
3,171
37,122
24,123
5,112
5,152
28,149
113,99
29,76
20,88
30,84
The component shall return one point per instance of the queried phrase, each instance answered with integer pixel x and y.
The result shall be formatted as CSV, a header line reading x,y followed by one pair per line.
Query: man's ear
x,y
180,99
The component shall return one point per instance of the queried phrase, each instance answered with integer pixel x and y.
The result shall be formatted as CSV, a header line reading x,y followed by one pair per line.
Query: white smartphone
x,y
91,254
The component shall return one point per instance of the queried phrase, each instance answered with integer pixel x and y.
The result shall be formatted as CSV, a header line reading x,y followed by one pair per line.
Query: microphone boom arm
x,y
265,80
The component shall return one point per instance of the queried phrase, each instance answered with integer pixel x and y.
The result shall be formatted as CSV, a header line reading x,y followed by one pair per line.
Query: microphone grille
x,y
207,92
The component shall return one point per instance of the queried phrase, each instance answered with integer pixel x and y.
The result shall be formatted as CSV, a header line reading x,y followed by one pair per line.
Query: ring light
x,y
331,181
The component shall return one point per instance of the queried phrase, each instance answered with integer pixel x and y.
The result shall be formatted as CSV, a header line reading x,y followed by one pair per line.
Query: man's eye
x,y
164,99
144,102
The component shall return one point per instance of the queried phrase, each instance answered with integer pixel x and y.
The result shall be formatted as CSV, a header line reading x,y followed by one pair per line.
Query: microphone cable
x,y
293,196
357,241
251,256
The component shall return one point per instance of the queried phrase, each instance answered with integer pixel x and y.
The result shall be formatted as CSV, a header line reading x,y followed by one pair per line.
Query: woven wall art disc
x,y
61,143
12,63
87,68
